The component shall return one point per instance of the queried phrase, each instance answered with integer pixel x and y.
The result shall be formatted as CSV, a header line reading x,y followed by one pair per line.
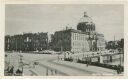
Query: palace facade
x,y
85,38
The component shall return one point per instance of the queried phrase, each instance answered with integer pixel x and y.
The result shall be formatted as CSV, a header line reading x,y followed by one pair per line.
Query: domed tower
x,y
86,24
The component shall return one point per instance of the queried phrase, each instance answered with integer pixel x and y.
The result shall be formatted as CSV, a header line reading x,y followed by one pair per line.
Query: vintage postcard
x,y
52,40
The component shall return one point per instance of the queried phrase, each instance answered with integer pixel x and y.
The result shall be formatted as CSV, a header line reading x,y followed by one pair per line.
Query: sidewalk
x,y
29,71
42,70
63,70
96,70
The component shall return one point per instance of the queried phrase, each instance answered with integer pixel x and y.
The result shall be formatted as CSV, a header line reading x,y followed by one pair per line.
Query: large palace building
x,y
85,38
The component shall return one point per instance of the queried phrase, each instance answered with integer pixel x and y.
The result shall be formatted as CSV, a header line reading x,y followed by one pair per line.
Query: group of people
x,y
10,71
119,69
52,72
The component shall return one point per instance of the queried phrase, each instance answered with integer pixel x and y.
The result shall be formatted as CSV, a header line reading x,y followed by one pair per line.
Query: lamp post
x,y
16,44
96,38
90,40
21,62
120,55
120,58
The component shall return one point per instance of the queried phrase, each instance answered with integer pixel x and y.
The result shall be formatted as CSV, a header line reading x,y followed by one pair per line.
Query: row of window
x,y
77,36
79,44
88,30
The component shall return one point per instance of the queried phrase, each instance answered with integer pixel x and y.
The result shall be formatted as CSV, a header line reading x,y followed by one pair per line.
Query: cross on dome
x,y
85,14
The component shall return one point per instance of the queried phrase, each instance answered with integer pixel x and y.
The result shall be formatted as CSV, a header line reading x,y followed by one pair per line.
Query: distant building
x,y
7,42
116,44
85,38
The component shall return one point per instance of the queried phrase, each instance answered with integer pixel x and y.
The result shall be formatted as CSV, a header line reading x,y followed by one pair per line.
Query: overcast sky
x,y
21,18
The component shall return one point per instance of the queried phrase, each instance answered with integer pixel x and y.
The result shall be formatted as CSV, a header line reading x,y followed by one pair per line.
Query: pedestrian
x,y
51,72
117,69
11,71
120,69
58,58
47,72
8,68
55,72
33,65
87,64
18,72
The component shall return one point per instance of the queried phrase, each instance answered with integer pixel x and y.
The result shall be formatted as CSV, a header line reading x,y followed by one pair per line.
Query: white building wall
x,y
79,43
101,42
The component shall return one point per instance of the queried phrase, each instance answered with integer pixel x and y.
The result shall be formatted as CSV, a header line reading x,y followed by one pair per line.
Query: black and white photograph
x,y
64,40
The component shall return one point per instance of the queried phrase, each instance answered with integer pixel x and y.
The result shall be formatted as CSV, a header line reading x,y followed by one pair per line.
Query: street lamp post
x,y
21,62
90,40
120,56
96,38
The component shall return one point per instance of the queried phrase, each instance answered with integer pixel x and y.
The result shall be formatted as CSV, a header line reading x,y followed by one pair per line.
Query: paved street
x,y
50,65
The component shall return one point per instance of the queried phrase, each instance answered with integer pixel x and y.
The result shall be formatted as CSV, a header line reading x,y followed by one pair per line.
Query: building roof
x,y
72,30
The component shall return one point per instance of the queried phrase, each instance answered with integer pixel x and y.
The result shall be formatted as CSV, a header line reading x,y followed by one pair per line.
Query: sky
x,y
20,18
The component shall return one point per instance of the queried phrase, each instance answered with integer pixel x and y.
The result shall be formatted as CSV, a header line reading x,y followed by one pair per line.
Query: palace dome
x,y
86,19
86,24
